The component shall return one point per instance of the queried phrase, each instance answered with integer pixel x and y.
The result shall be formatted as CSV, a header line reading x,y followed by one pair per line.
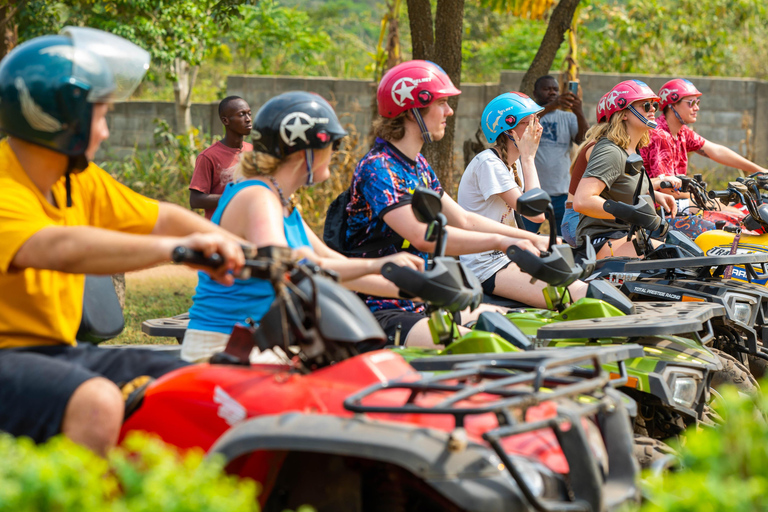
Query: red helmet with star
x,y
412,84
622,96
675,90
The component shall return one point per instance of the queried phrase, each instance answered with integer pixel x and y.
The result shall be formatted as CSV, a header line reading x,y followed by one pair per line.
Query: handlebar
x,y
665,184
190,256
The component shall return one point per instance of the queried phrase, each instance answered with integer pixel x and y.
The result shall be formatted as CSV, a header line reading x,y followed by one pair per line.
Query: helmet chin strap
x,y
75,164
310,160
422,126
647,122
677,115
512,139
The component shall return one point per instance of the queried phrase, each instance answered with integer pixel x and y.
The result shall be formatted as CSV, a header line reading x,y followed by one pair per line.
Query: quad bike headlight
x,y
743,308
683,384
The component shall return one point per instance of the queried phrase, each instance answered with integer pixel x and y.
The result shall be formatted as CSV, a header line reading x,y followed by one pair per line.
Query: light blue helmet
x,y
505,111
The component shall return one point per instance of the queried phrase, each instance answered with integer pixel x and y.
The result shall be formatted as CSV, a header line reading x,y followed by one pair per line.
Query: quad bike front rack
x,y
504,383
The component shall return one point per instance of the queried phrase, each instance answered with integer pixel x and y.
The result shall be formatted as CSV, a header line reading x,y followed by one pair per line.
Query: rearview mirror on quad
x,y
533,203
426,205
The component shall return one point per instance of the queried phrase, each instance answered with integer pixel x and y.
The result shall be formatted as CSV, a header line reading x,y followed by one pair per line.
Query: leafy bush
x,y
162,173
724,469
144,475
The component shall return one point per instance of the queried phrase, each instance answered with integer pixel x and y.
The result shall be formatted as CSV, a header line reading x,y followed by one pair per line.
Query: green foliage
x,y
270,39
163,173
681,37
144,475
724,469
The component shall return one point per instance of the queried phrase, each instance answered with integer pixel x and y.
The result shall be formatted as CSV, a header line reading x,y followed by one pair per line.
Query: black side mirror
x,y
634,165
426,205
533,202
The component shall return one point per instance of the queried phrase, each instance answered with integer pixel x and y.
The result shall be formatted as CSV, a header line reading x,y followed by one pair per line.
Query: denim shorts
x,y
568,227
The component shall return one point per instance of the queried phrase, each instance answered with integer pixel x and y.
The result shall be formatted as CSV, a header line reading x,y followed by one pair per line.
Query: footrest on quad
x,y
172,327
696,262
653,319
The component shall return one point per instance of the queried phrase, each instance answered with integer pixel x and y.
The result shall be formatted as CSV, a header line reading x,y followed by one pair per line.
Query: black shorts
x,y
599,241
490,284
36,383
393,319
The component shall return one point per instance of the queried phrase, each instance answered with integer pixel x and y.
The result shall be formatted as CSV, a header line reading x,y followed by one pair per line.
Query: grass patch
x,y
154,293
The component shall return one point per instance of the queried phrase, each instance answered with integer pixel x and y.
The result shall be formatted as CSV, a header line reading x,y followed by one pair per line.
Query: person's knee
x,y
94,415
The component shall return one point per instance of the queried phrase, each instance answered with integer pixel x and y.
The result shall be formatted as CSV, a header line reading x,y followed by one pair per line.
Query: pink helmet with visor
x,y
622,96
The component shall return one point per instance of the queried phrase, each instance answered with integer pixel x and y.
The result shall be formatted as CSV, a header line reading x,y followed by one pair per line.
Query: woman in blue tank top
x,y
294,135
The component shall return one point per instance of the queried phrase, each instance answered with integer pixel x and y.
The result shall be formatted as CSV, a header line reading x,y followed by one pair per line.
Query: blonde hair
x,y
501,147
255,164
615,129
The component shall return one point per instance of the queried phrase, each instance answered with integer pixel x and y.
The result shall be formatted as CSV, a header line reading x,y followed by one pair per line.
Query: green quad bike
x,y
671,383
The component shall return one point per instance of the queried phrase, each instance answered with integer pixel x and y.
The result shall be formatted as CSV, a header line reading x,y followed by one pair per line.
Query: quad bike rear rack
x,y
703,264
653,319
517,381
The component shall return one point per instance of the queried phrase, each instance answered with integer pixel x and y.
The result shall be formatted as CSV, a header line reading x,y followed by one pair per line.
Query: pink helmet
x,y
675,90
412,84
621,97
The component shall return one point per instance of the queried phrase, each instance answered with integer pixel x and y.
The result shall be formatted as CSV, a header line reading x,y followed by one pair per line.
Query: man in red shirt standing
x,y
667,153
215,165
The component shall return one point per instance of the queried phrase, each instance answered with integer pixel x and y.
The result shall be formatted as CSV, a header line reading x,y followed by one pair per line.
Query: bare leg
x,y
94,415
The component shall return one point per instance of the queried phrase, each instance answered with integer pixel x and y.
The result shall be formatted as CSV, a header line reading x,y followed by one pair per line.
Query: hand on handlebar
x,y
527,245
402,259
214,243
667,182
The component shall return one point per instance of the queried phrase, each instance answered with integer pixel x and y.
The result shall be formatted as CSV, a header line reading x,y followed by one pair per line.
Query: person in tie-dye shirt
x,y
413,109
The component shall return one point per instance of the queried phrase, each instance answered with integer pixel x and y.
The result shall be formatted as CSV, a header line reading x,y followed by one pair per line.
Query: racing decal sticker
x,y
230,410
295,125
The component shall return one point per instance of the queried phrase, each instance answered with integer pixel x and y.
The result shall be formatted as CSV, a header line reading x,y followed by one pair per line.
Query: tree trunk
x,y
559,22
443,47
182,91
9,34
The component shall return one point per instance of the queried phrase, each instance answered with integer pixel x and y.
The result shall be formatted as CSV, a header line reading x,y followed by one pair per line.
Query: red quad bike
x,y
542,430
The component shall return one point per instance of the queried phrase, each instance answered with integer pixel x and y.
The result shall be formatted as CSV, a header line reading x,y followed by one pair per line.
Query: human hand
x,y
570,101
215,243
667,202
674,181
401,259
529,142
522,243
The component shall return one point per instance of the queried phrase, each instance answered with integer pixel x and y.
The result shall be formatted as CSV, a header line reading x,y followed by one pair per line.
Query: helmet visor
x,y
126,62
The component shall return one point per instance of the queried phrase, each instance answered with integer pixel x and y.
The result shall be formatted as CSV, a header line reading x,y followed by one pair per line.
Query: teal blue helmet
x,y
504,112
49,84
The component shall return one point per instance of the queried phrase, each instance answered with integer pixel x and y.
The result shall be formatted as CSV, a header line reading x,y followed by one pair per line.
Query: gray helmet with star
x,y
295,121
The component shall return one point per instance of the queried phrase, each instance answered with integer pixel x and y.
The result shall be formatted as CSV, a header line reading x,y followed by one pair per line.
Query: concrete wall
x,y
727,104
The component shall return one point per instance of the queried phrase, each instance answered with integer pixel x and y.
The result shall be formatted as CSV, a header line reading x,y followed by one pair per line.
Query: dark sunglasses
x,y
648,104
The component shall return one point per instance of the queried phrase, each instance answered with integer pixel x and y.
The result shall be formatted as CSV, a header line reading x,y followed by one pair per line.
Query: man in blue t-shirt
x,y
560,130
413,109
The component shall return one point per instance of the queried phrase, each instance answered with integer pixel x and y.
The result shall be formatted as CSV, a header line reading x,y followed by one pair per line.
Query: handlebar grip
x,y
665,184
186,255
719,194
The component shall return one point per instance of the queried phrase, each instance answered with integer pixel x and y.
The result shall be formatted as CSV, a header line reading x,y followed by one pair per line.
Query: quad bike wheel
x,y
648,450
734,373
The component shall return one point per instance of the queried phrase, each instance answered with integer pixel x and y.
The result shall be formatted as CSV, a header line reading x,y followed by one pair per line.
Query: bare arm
x,y
587,200
89,250
173,220
726,156
202,200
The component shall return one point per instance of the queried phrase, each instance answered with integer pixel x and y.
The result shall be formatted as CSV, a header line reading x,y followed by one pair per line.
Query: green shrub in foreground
x,y
144,475
724,469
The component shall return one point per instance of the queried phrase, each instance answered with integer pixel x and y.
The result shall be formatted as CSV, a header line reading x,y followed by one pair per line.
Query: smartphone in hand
x,y
573,87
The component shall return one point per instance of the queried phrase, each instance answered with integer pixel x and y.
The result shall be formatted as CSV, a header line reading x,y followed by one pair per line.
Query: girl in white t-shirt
x,y
495,179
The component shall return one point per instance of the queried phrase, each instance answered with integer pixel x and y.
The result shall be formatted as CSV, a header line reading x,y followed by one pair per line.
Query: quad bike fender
x,y
473,477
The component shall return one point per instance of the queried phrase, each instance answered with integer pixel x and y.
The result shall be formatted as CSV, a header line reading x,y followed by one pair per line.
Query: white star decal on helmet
x,y
402,90
298,130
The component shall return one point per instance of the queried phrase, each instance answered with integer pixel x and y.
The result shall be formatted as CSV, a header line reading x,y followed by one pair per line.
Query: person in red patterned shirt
x,y
667,153
216,164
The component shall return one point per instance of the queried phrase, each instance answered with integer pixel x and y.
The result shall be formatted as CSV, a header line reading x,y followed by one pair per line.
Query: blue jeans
x,y
558,202
568,226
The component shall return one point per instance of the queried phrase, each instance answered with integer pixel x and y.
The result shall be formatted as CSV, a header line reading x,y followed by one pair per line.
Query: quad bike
x,y
542,430
670,382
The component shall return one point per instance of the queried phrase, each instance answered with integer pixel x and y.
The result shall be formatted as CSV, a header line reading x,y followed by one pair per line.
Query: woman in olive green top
x,y
625,114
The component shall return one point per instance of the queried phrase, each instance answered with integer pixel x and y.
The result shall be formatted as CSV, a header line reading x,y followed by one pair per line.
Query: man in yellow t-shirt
x,y
62,217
